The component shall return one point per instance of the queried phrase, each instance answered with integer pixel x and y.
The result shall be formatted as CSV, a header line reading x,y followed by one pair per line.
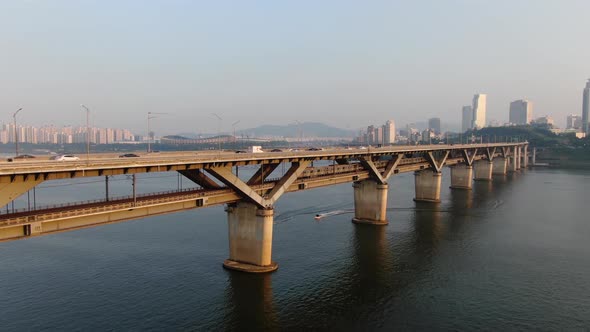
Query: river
x,y
513,254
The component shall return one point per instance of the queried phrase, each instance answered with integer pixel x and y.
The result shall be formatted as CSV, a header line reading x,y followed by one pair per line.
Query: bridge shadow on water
x,y
382,281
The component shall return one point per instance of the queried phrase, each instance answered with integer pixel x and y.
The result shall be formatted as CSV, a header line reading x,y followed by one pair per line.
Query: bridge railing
x,y
111,205
100,200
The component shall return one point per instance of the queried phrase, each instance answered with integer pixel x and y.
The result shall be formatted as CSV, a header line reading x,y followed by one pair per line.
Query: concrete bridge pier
x,y
461,176
512,162
427,183
525,156
500,166
517,155
370,202
250,238
483,170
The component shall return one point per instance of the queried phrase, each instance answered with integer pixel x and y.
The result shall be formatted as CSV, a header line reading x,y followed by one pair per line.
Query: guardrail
x,y
95,201
109,206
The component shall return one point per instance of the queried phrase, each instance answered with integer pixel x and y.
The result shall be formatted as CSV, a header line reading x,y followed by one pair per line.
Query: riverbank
x,y
565,157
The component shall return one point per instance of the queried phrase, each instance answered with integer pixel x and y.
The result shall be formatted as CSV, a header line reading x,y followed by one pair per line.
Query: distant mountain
x,y
306,129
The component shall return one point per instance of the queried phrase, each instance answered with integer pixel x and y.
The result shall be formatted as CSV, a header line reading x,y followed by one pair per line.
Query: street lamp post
x,y
16,131
87,131
219,119
234,129
300,132
150,115
149,137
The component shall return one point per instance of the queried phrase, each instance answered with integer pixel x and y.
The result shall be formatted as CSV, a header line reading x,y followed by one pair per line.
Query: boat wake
x,y
323,215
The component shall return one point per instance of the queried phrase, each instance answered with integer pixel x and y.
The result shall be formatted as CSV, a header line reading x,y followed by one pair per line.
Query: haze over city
x,y
298,165
342,63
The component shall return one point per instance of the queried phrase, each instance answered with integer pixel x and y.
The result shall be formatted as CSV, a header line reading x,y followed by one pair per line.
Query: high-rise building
x,y
467,118
389,132
370,135
378,135
434,125
479,111
573,122
585,107
521,112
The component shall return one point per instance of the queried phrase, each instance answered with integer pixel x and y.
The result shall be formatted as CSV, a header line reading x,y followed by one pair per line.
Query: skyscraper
x,y
434,125
586,107
479,111
521,112
389,132
378,135
467,118
370,134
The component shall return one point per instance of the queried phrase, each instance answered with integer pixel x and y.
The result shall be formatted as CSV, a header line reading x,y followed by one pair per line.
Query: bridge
x,y
250,202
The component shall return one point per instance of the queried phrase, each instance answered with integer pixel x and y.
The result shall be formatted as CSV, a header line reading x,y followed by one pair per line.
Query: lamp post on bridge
x,y
219,119
234,130
87,132
16,132
149,117
300,132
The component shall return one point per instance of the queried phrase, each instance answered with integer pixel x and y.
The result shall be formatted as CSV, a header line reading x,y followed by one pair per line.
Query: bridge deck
x,y
108,164
84,214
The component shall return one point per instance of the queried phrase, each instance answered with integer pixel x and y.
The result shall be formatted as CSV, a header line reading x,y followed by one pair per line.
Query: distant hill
x,y
306,129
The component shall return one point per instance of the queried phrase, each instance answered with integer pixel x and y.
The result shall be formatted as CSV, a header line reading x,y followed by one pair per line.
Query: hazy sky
x,y
344,63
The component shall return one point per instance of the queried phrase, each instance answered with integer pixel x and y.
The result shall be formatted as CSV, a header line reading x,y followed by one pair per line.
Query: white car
x,y
65,157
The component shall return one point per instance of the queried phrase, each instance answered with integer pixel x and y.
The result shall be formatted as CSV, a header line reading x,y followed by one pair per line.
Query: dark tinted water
x,y
512,254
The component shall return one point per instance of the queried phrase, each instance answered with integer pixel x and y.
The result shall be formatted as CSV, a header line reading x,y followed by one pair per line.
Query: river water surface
x,y
513,254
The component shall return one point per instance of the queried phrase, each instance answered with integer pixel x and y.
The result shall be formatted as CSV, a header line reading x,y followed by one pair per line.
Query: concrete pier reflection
x,y
250,300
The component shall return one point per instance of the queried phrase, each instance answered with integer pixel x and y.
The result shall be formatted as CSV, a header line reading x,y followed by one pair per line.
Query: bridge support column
x,y
499,167
461,176
428,185
370,202
525,156
512,162
483,170
517,154
250,238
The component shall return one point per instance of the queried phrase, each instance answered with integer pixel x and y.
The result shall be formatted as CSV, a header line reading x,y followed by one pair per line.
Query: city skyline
x,y
285,62
101,135
63,134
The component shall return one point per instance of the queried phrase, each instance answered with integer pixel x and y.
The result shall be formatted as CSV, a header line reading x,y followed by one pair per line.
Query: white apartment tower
x,y
467,118
389,132
521,112
479,111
